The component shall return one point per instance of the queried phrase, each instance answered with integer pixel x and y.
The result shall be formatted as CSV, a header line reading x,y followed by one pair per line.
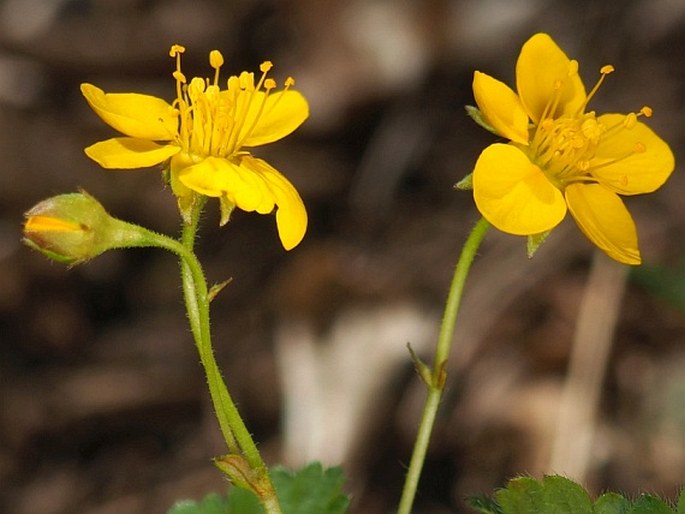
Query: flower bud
x,y
73,228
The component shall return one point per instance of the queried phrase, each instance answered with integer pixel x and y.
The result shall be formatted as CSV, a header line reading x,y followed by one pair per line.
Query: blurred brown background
x,y
103,407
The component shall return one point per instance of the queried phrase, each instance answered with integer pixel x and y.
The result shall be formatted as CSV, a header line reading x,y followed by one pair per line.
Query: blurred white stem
x,y
572,447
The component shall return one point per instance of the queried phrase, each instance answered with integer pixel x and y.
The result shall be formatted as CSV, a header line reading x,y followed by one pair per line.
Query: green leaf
x,y
681,502
648,504
311,490
212,504
611,503
553,495
239,501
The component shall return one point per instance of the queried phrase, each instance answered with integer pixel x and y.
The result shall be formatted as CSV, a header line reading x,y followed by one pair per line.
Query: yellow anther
x,y
646,111
572,67
216,60
289,82
179,76
176,50
269,84
606,69
265,66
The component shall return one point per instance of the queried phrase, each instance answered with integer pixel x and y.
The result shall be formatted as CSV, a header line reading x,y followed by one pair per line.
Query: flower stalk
x,y
435,381
235,433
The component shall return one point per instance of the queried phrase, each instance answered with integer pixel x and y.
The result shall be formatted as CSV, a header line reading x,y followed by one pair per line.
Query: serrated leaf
x,y
566,496
242,501
553,495
211,504
611,503
311,490
522,495
648,504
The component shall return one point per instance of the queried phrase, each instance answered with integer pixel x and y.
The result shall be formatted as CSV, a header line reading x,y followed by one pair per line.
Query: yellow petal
x,y
291,216
639,172
501,107
542,68
276,117
128,153
604,219
252,185
513,194
133,114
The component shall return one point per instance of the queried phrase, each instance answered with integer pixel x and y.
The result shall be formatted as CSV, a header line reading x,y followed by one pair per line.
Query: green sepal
x,y
535,241
217,288
477,116
465,184
226,207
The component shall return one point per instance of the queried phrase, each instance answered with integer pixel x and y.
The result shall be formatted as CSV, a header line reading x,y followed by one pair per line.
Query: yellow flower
x,y
562,157
203,137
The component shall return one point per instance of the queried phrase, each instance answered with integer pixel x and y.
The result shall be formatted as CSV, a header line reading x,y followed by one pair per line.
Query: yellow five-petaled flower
x,y
561,156
203,137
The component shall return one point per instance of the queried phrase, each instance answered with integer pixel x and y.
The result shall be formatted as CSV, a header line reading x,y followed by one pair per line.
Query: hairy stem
x,y
435,382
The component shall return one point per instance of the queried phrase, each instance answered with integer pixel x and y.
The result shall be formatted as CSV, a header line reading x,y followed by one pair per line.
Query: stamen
x,y
646,111
176,50
216,61
289,82
604,70
630,120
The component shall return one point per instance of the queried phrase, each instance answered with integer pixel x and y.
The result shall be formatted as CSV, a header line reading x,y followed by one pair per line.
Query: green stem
x,y
196,294
438,374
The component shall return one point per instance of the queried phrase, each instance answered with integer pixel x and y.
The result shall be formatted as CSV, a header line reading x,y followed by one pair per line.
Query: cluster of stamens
x,y
215,121
565,147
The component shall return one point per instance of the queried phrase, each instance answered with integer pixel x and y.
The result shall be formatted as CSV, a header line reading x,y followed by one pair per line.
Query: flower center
x,y
565,148
214,121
